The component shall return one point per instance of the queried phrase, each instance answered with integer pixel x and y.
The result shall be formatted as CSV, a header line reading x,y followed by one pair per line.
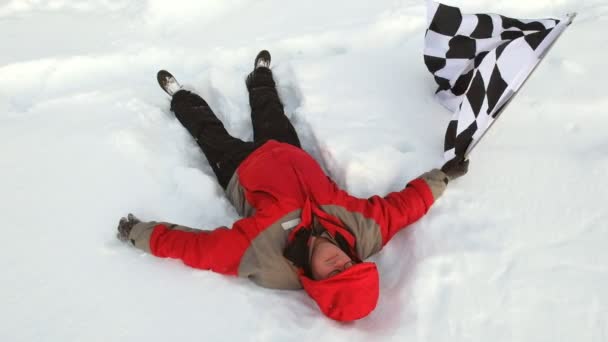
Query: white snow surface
x,y
515,251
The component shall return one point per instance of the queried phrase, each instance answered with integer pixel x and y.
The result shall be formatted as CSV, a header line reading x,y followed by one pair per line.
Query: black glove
x,y
125,225
456,167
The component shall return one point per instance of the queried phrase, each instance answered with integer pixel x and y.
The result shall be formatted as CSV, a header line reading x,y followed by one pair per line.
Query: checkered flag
x,y
479,62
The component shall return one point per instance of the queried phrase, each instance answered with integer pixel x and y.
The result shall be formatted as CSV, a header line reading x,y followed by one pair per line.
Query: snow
x,y
514,251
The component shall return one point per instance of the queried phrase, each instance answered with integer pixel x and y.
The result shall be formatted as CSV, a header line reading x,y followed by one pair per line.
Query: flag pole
x,y
570,17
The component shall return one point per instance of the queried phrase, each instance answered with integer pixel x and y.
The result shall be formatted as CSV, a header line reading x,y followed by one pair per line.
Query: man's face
x,y
327,259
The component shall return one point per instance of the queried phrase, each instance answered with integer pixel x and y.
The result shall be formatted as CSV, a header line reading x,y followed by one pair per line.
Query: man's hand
x,y
125,225
455,167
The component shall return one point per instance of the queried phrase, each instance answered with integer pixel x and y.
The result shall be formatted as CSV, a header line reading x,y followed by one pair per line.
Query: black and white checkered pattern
x,y
479,62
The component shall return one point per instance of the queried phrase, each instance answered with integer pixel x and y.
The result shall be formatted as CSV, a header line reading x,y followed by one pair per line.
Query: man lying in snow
x,y
300,230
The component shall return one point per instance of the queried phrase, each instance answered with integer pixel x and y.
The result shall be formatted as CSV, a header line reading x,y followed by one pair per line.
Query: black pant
x,y
223,151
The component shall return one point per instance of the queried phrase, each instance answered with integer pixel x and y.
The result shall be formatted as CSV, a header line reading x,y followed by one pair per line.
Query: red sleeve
x,y
218,250
393,212
406,207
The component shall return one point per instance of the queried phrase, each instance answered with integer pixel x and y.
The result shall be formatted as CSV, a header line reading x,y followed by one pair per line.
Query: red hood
x,y
348,296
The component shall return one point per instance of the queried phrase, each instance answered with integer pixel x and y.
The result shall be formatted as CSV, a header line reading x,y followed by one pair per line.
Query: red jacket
x,y
270,189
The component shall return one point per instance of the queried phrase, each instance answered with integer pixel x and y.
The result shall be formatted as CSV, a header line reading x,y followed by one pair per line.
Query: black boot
x,y
262,60
168,82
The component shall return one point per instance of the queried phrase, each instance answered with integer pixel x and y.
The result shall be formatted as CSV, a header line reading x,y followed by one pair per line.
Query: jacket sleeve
x,y
219,250
375,220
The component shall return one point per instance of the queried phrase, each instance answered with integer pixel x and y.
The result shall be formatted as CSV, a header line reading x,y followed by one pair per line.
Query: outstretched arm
x,y
375,220
380,218
219,250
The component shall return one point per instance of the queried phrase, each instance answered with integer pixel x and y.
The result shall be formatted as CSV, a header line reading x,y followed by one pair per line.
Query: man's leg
x,y
223,151
267,113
